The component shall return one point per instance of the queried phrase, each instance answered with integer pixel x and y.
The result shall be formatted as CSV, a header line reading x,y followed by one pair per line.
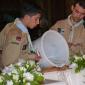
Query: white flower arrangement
x,y
78,62
22,73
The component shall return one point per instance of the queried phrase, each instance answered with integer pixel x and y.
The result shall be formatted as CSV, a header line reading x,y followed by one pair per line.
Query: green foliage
x,y
25,73
79,61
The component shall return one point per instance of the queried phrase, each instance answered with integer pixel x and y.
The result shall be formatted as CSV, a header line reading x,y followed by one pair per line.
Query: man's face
x,y
33,21
78,12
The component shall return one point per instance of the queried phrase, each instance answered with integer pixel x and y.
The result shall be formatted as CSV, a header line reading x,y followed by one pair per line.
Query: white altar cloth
x,y
67,77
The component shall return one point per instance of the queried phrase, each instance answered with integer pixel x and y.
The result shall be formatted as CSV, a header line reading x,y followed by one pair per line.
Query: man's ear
x,y
27,17
72,8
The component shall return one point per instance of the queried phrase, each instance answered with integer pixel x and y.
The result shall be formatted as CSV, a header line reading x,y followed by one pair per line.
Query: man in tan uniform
x,y
15,42
73,28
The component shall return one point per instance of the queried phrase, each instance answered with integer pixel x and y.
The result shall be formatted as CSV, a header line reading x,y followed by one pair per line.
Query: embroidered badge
x,y
18,38
24,47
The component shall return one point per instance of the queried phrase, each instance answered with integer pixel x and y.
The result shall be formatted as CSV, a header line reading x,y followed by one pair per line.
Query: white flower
x,y
1,79
9,74
9,82
28,84
19,73
27,66
32,62
84,56
28,76
8,69
38,73
24,80
22,69
11,65
38,68
16,77
3,73
76,57
15,71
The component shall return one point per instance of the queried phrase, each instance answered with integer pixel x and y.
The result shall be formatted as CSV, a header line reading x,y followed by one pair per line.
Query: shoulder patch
x,y
18,38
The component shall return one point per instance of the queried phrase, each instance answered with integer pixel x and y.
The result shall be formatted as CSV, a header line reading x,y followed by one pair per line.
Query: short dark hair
x,y
30,9
80,2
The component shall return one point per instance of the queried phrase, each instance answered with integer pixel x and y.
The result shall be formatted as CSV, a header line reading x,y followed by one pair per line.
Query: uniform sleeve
x,y
57,25
11,50
54,27
83,43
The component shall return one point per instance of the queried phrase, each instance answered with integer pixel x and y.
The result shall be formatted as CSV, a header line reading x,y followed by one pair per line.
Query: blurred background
x,y
54,11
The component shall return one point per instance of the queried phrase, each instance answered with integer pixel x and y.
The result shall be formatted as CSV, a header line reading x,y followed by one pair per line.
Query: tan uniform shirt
x,y
78,41
13,43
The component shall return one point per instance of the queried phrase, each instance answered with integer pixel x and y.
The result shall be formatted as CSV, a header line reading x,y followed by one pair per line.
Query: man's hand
x,y
35,57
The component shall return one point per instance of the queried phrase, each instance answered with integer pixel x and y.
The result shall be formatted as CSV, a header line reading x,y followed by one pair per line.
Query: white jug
x,y
53,48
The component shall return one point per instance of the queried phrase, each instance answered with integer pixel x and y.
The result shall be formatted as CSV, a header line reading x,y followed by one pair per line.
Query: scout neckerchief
x,y
73,26
21,26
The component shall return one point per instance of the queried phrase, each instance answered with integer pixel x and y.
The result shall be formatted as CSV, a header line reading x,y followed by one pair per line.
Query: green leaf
x,y
34,83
